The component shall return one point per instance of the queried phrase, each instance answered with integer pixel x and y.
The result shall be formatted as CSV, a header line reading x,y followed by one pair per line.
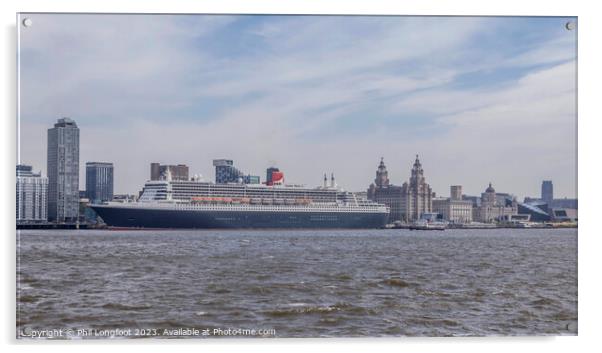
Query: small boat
x,y
428,221
424,225
397,225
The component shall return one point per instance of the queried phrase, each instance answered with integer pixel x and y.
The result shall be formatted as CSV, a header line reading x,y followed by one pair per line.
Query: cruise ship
x,y
198,204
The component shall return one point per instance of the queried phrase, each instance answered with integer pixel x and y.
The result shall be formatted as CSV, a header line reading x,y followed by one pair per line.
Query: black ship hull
x,y
128,217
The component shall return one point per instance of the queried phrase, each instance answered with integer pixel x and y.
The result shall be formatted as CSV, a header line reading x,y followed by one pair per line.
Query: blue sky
x,y
479,98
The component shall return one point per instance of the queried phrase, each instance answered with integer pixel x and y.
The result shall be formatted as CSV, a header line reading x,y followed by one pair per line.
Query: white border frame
x,y
589,177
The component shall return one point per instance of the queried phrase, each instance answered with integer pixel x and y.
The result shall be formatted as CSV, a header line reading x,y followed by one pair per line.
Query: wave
x,y
430,321
302,309
119,306
543,302
28,298
398,282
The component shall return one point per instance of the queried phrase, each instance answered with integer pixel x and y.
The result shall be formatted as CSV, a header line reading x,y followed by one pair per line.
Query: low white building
x,y
32,195
454,209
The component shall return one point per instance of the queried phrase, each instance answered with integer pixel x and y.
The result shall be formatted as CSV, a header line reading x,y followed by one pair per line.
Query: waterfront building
x,y
547,192
529,199
454,209
225,172
63,171
564,203
541,211
503,198
475,200
99,181
556,203
441,207
251,179
492,209
382,191
178,172
455,192
416,196
564,214
32,194
538,211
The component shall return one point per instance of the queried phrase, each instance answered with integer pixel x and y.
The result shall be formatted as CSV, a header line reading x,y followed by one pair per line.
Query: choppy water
x,y
300,283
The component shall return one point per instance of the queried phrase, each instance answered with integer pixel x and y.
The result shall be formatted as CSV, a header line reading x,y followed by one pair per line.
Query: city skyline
x,y
261,90
193,177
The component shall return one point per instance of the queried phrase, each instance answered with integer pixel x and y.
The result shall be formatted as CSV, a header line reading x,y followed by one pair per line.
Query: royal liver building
x,y
416,196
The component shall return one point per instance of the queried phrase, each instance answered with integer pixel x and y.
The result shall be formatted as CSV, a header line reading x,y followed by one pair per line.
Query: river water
x,y
327,283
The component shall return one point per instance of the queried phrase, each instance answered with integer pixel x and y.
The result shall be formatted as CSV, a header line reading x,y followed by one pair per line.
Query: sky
x,y
479,99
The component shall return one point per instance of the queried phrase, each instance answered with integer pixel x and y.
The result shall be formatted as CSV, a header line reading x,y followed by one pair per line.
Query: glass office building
x,y
225,172
99,181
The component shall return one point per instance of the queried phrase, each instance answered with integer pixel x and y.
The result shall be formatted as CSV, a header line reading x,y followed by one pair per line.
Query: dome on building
x,y
490,189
